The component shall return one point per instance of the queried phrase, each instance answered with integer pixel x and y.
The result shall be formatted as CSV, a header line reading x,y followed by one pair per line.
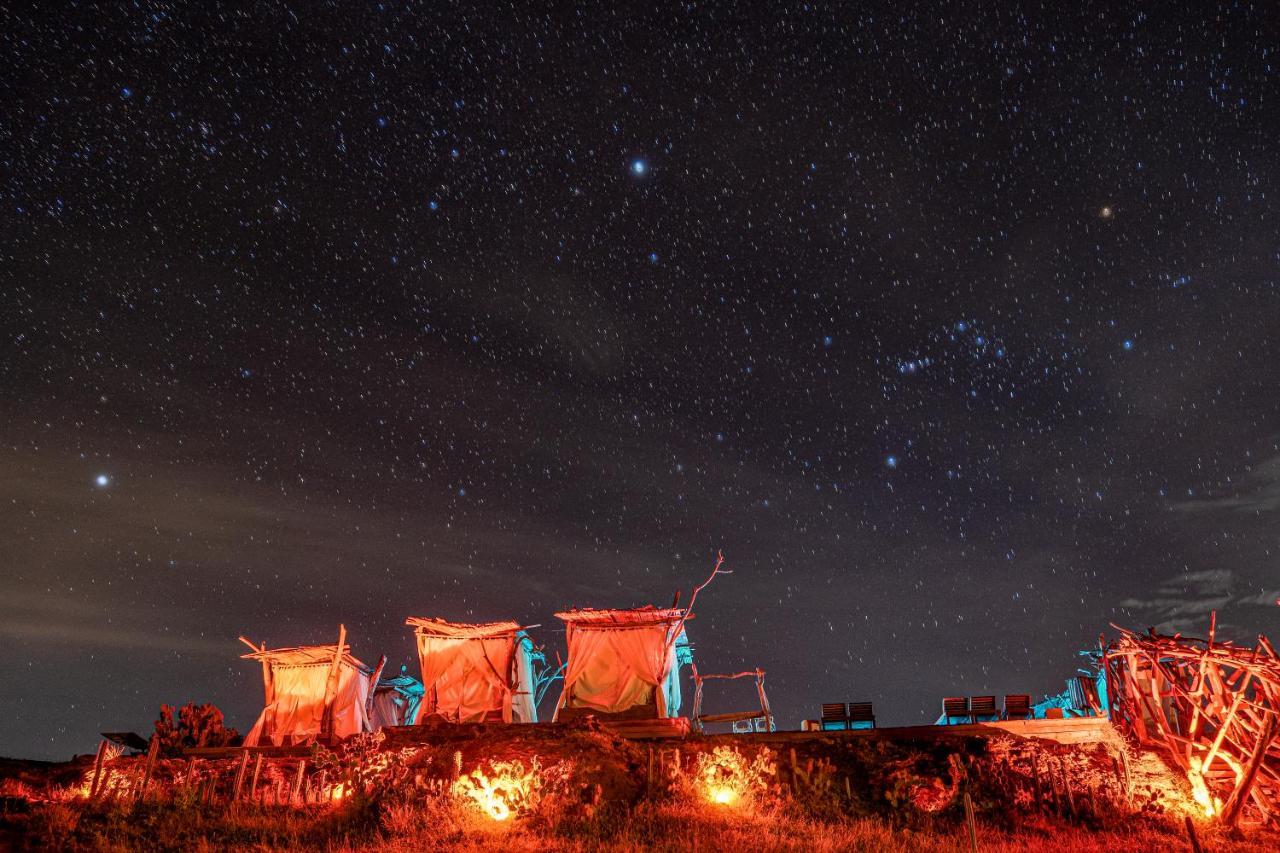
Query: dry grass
x,y
668,824
598,793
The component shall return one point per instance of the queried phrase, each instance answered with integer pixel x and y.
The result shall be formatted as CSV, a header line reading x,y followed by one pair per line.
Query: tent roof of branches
x,y
623,664
475,673
312,693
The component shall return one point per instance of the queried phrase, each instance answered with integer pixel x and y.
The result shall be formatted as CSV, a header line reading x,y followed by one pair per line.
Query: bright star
x,y
1107,212
639,167
1128,344
102,481
891,461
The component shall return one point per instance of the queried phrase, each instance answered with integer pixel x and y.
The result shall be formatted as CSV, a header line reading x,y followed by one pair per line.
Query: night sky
x,y
958,331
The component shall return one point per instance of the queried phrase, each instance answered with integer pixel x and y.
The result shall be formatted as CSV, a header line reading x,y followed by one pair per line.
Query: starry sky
x,y
954,328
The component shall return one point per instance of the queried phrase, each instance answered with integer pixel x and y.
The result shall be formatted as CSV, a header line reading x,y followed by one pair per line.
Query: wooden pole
x,y
331,684
973,824
1066,786
240,772
257,771
97,769
1245,785
373,685
1191,835
297,781
153,752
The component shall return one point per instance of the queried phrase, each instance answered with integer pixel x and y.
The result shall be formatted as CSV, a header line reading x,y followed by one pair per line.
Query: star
x,y
891,461
639,167
1106,212
102,481
1128,344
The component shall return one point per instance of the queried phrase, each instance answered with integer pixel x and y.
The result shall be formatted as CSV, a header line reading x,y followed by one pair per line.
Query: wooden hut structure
x,y
475,673
313,693
1215,708
623,664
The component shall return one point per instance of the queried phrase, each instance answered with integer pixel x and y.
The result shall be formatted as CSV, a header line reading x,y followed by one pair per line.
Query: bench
x,y
834,717
983,708
861,715
955,707
1017,706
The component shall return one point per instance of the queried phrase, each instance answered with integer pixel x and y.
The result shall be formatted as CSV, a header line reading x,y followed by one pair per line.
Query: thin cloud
x,y
1183,603
1260,493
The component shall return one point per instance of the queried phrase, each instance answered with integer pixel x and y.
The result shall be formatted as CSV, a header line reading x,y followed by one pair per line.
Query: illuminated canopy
x,y
311,692
474,673
623,663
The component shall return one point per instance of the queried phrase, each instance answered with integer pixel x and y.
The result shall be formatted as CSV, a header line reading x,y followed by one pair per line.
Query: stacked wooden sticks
x,y
1213,706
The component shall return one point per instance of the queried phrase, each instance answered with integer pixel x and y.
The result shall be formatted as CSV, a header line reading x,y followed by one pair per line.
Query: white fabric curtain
x,y
613,669
465,678
523,708
295,710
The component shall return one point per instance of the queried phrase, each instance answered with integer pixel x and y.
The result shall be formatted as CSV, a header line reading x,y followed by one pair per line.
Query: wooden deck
x,y
1074,730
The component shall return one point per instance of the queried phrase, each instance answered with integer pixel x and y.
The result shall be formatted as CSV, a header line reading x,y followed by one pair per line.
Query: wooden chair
x,y
1017,706
982,708
834,717
861,715
955,707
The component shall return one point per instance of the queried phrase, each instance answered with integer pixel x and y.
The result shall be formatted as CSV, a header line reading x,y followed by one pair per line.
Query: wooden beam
x,y
373,685
97,769
1245,785
240,772
331,684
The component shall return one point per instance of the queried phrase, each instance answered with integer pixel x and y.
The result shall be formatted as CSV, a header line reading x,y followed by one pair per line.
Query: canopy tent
x,y
312,693
475,673
395,701
623,664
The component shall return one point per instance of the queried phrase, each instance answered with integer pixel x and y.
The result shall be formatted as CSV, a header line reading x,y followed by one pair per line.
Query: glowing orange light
x,y
505,790
723,795
1200,791
725,778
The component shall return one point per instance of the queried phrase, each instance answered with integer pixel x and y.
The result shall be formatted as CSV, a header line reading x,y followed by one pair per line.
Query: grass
x,y
595,792
668,825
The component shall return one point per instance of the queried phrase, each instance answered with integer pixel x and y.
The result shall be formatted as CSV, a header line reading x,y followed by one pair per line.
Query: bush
x,y
192,726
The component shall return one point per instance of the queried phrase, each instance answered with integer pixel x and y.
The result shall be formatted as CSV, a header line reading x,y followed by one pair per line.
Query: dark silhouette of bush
x,y
192,726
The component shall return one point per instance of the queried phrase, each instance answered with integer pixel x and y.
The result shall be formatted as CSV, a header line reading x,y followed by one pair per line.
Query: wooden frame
x,y
1212,705
735,717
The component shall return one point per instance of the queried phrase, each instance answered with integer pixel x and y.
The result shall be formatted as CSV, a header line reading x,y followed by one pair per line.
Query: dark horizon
x,y
955,330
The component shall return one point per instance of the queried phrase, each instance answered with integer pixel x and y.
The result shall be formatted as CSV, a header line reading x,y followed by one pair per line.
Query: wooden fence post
x,y
153,752
297,782
1066,787
973,824
257,770
97,769
244,766
1191,835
